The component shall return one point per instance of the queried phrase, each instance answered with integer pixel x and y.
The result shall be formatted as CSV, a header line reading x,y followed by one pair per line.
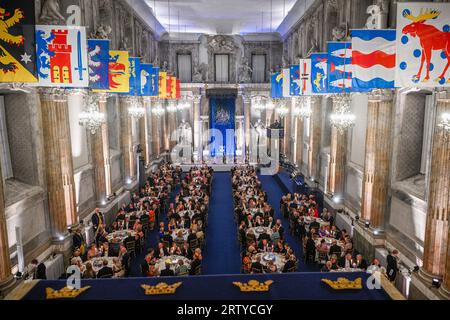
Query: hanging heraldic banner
x,y
98,54
62,56
423,45
17,39
119,72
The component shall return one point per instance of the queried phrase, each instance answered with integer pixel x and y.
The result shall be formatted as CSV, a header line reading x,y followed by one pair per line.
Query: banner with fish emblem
x,y
17,42
154,80
319,73
339,67
276,85
62,56
305,77
423,45
295,89
119,72
373,58
162,85
98,60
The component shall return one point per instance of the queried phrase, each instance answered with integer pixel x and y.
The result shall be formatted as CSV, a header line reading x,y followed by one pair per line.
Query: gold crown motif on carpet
x,y
254,286
344,283
160,288
65,293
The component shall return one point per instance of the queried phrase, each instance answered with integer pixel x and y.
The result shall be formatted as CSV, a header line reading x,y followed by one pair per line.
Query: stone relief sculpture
x,y
124,44
222,43
165,66
199,73
378,15
246,72
51,13
155,62
102,32
313,48
340,33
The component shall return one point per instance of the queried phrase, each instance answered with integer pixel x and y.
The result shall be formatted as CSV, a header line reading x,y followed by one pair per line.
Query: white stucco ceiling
x,y
220,16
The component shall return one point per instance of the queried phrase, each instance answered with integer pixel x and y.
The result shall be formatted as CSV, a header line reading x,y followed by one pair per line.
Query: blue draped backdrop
x,y
221,117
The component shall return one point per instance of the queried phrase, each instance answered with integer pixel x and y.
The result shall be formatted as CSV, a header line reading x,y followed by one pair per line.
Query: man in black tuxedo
x,y
346,261
314,225
264,236
40,270
97,219
280,229
125,259
310,254
335,249
392,267
167,238
105,272
289,264
167,272
361,263
257,266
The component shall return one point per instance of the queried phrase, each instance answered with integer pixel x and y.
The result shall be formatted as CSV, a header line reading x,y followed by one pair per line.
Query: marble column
x,y
59,164
126,139
156,140
6,277
299,124
144,132
338,150
287,131
197,127
315,135
101,155
246,105
437,226
377,157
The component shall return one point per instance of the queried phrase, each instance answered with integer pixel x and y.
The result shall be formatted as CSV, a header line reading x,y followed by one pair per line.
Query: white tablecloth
x,y
54,267
161,263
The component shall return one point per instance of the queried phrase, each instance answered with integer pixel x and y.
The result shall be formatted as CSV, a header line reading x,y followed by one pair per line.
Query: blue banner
x,y
98,56
319,73
276,85
148,79
135,79
222,111
339,67
295,89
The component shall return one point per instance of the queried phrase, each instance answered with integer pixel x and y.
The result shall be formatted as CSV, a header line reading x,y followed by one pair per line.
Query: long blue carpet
x,y
222,254
274,194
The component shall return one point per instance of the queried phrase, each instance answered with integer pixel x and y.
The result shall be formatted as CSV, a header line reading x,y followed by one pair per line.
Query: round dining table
x,y
257,231
278,259
97,263
120,236
173,260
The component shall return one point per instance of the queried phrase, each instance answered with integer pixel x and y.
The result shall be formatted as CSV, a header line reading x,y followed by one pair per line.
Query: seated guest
x,y
145,266
167,238
162,250
117,268
346,261
182,269
334,233
264,236
290,264
263,246
92,252
327,267
310,250
374,266
196,263
105,271
335,249
89,273
361,263
167,272
257,266
39,270
179,238
271,267
124,257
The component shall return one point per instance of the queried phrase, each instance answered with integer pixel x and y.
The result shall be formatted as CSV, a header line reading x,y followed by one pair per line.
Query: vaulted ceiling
x,y
220,16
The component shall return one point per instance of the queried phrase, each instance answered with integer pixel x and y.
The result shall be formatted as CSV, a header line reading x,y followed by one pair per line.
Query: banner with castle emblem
x,y
423,45
119,72
98,58
62,56
319,73
17,39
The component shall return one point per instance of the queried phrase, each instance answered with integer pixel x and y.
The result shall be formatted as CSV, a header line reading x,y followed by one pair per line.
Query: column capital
x,y
246,98
197,98
54,94
381,95
443,95
102,96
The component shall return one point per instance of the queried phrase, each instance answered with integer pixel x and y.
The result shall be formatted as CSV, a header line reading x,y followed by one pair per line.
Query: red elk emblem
x,y
430,39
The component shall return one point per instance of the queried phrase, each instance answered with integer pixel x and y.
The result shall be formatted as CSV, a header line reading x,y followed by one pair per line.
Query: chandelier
x,y
280,107
304,111
183,104
342,119
91,118
172,106
158,110
445,122
136,109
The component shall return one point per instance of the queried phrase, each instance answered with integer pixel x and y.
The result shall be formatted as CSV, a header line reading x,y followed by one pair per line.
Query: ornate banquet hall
x,y
224,150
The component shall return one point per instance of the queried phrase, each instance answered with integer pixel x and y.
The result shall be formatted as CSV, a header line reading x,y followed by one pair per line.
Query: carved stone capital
x,y
196,98
54,94
443,95
16,86
246,99
381,95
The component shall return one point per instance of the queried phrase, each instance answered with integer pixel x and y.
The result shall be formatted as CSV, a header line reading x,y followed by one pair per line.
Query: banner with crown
x,y
17,39
62,56
423,45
